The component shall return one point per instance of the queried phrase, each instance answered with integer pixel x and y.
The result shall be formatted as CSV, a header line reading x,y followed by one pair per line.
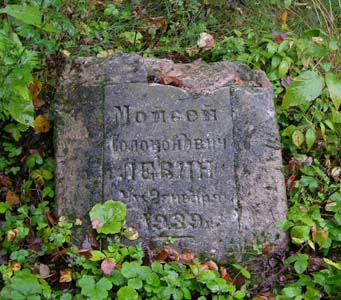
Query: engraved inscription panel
x,y
169,155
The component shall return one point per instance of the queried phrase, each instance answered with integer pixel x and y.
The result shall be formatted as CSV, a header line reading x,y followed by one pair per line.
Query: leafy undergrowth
x,y
302,60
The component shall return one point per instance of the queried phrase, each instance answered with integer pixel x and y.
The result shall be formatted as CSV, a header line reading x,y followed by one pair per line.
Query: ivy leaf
x,y
25,13
303,89
334,88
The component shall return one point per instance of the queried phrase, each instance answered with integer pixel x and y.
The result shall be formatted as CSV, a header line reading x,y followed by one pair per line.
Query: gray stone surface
x,y
200,163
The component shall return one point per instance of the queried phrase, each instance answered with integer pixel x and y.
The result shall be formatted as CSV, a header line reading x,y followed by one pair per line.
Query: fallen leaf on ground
x,y
42,124
132,234
44,270
167,254
224,274
35,88
65,276
4,180
187,257
169,80
15,266
108,266
264,296
205,42
12,198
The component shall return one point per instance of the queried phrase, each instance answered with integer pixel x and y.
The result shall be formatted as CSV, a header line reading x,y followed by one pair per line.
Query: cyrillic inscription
x,y
167,159
128,115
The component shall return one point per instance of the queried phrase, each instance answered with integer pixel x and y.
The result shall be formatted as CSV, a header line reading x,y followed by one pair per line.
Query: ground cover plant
x,y
298,46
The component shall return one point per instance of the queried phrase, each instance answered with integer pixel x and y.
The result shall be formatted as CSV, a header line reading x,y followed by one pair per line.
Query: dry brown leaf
x,y
169,80
35,88
225,275
264,296
65,276
212,265
167,254
42,124
4,180
187,256
12,198
205,42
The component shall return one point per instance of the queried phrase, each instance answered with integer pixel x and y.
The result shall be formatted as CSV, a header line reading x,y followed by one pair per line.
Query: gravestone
x,y
199,163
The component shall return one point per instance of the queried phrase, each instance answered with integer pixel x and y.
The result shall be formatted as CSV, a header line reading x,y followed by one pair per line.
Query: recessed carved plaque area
x,y
197,164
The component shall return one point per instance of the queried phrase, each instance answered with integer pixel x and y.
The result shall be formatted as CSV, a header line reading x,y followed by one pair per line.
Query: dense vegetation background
x,y
297,43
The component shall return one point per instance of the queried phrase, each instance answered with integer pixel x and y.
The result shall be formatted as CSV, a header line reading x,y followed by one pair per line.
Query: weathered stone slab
x,y
200,163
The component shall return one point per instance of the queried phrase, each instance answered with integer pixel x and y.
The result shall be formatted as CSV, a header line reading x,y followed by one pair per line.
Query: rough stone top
x,y
195,77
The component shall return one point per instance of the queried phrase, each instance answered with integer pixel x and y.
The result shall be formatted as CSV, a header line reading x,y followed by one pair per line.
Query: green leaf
x,y
95,291
300,234
108,216
135,283
292,291
25,13
334,88
97,255
283,68
21,109
131,269
206,276
303,89
127,293
301,263
310,138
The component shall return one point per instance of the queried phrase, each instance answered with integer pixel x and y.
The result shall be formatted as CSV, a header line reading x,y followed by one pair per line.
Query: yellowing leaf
x,y
42,124
12,198
65,276
283,18
297,138
10,235
105,53
131,234
15,266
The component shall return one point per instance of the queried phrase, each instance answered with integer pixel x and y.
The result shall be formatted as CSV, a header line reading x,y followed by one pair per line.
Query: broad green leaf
x,y
127,293
310,138
25,13
21,109
303,89
334,88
